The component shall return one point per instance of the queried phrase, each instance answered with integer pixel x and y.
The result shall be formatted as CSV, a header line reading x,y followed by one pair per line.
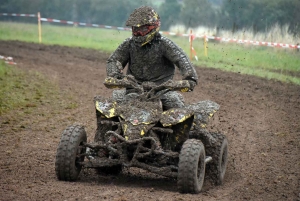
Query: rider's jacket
x,y
152,62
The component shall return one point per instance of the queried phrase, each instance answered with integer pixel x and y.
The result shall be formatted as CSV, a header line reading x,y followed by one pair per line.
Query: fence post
x,y
39,27
205,46
191,44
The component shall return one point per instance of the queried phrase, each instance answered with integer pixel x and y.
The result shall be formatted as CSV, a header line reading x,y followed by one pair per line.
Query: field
x,y
267,62
53,86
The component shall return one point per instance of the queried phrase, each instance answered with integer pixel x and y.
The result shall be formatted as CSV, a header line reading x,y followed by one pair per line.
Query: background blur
x,y
255,16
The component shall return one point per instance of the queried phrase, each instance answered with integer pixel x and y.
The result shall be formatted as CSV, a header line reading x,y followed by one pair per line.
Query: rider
x,y
151,58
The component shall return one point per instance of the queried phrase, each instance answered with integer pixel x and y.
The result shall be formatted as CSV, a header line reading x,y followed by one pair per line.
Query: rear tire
x,y
67,164
219,152
191,167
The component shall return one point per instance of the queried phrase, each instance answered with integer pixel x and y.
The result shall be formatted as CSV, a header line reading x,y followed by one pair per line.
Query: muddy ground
x,y
259,117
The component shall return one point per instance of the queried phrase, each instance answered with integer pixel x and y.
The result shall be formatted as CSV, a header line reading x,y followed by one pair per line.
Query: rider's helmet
x,y
145,23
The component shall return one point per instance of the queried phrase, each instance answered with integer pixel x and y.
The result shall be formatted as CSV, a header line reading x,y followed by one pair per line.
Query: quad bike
x,y
136,131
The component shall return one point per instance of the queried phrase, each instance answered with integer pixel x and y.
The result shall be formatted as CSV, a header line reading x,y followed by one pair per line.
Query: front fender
x,y
175,116
203,111
107,107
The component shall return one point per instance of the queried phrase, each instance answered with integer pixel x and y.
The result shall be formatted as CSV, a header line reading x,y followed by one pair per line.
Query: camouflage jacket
x,y
154,62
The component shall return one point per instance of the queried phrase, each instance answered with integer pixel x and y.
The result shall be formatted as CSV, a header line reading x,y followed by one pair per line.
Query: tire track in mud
x,y
260,118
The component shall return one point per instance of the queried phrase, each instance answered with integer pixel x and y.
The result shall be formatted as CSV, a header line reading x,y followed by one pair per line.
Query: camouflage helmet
x,y
142,16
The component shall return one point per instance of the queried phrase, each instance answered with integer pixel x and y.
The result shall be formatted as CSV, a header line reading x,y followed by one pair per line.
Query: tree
x,y
233,14
198,12
260,14
169,12
291,15
113,12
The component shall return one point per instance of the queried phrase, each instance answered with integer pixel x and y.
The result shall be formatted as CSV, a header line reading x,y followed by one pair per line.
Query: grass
x,y
268,62
26,93
24,90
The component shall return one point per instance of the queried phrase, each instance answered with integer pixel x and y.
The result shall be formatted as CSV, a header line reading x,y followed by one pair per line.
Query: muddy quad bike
x,y
137,132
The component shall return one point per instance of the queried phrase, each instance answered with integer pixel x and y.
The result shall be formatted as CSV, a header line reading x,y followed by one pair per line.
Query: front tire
x,y
69,153
191,167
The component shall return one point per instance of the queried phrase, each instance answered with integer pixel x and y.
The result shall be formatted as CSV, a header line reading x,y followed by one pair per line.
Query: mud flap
x,y
181,133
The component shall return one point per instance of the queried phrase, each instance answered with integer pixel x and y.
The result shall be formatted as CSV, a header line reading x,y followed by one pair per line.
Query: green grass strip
x,y
267,62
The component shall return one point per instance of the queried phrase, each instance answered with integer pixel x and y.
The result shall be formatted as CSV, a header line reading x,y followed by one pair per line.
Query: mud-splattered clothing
x,y
154,62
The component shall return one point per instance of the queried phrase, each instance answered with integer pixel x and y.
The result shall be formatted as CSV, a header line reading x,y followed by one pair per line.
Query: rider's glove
x,y
192,84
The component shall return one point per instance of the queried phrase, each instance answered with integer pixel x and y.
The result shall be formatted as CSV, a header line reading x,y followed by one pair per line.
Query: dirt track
x,y
260,118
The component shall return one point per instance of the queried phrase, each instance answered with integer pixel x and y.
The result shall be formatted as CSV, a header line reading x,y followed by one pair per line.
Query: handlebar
x,y
156,90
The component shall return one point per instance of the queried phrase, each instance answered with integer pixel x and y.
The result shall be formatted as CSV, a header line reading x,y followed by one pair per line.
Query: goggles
x,y
142,30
